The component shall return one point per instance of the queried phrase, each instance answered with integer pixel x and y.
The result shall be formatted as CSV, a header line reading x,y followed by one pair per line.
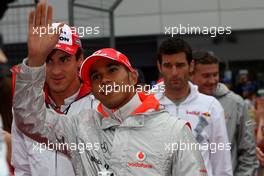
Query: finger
x,y
49,15
261,160
258,149
258,157
38,15
43,1
260,153
31,20
59,29
43,14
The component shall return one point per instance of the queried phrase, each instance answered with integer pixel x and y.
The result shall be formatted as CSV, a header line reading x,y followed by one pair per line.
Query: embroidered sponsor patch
x,y
141,156
206,114
140,165
196,113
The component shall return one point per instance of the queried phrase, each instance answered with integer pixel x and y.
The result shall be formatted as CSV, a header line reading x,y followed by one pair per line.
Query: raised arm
x,y
41,37
30,113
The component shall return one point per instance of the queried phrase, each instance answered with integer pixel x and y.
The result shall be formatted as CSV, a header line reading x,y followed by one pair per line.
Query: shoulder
x,y
208,100
86,118
166,121
234,98
86,102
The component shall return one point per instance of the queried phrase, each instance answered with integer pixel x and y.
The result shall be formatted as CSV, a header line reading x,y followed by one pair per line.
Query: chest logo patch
x,y
141,156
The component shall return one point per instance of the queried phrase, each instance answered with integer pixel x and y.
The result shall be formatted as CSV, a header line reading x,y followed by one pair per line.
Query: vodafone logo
x,y
141,156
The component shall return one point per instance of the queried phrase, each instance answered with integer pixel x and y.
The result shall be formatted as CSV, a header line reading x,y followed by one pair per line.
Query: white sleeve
x,y
3,164
19,159
221,157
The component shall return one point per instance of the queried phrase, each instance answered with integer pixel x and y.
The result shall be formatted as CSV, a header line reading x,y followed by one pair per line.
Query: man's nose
x,y
174,70
212,80
56,69
106,79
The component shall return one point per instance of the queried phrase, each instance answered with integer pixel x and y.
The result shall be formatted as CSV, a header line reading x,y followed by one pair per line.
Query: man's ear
x,y
159,66
80,61
133,77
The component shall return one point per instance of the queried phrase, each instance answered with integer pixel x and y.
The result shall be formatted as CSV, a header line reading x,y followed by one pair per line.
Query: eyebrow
x,y
65,55
113,64
93,72
60,57
210,73
175,63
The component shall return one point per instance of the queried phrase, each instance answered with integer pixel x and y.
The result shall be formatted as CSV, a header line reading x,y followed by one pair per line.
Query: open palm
x,y
41,40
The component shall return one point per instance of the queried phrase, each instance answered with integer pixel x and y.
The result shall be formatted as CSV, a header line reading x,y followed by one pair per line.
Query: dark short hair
x,y
174,46
79,53
205,57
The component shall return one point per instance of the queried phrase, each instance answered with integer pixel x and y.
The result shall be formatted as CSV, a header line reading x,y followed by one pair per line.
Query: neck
x,y
126,100
59,97
124,111
174,94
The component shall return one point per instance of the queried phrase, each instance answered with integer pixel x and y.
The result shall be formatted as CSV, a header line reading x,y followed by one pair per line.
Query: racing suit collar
x,y
67,101
83,91
131,114
221,90
192,95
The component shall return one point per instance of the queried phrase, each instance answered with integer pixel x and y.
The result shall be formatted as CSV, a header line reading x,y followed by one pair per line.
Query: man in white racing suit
x,y
3,161
182,100
66,93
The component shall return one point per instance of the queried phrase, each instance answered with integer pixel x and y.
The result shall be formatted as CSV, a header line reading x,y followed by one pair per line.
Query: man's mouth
x,y
105,90
57,80
211,87
175,81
